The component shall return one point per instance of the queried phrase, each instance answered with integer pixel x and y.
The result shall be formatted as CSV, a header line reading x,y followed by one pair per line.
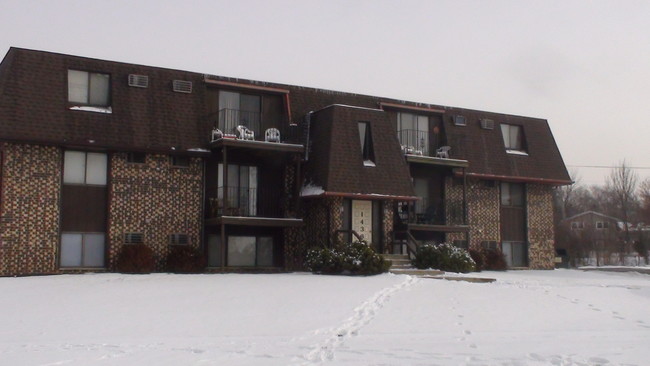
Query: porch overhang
x,y
363,196
255,221
506,178
258,145
440,228
431,160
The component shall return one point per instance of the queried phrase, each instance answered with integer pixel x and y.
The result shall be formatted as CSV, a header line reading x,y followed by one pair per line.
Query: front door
x,y
362,219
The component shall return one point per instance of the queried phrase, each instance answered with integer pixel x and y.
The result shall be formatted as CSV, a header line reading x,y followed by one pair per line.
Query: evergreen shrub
x,y
356,258
135,258
444,257
185,259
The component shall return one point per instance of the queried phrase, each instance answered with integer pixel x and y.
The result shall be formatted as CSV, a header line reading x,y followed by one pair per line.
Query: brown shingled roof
x,y
33,108
336,162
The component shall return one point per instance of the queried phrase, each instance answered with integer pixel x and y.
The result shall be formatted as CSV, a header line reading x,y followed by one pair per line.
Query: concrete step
x,y
416,272
395,256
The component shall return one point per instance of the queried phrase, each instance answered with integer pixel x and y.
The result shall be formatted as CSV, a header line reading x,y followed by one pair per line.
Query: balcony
x,y
424,214
421,147
248,206
228,121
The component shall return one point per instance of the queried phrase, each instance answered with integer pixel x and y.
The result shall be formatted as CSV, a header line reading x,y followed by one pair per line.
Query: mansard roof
x,y
34,108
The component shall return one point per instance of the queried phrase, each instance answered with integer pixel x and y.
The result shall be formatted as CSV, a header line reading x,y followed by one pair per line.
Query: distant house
x,y
96,155
592,232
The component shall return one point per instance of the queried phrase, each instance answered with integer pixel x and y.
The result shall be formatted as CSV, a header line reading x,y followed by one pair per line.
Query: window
x,y
512,194
413,133
136,158
180,161
84,168
365,138
241,187
179,239
460,120
513,138
577,225
249,251
88,88
239,109
82,250
602,225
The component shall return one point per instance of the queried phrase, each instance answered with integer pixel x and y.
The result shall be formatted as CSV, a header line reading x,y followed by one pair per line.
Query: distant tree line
x,y
624,197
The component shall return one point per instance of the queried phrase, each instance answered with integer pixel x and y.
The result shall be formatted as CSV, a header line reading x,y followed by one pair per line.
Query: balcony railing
x,y
228,121
418,142
426,212
244,201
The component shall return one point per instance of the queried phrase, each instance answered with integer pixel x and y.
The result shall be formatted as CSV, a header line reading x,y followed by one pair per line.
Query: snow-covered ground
x,y
562,317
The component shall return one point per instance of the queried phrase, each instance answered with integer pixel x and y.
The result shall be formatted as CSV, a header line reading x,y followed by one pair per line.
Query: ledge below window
x,y
517,152
107,110
368,163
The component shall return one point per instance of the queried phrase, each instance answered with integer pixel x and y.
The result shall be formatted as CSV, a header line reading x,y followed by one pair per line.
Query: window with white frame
x,y
577,225
81,167
367,150
513,138
602,225
89,89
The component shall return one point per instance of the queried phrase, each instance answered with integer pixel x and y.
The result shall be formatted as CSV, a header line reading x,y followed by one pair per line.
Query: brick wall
x,y
154,199
482,211
540,226
29,217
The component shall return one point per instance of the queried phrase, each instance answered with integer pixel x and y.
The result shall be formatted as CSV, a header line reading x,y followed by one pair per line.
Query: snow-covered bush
x,y
185,259
355,258
135,258
444,257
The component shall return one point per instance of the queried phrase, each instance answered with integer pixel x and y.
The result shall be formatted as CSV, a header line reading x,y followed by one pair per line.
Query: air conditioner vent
x,y
179,239
182,86
139,81
133,238
487,124
460,120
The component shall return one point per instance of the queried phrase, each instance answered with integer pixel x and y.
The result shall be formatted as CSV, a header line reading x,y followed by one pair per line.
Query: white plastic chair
x,y
443,152
272,135
244,133
216,134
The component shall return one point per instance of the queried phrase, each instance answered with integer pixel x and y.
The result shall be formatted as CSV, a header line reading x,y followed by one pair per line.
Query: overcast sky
x,y
583,65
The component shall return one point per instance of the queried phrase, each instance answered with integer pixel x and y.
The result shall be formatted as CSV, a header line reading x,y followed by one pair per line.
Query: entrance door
x,y
362,219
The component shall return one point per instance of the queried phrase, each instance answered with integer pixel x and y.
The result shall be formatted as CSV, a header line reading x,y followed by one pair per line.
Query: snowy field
x,y
562,317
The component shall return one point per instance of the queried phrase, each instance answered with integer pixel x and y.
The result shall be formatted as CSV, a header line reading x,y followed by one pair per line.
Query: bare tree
x,y
622,184
644,201
566,195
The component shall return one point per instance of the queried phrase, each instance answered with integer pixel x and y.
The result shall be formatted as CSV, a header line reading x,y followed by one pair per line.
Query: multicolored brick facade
x,y
155,199
483,203
541,252
30,206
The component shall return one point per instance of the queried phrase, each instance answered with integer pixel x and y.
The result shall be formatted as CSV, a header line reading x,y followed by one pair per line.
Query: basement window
x,y
367,150
89,91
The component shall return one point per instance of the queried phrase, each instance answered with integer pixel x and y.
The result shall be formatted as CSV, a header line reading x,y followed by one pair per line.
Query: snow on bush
x,y
444,257
355,258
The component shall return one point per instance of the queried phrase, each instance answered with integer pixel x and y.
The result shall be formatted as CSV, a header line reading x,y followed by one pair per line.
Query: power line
x,y
607,166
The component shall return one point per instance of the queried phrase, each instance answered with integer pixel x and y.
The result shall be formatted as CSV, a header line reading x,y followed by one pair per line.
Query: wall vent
x,y
133,238
460,120
139,81
182,86
179,239
487,124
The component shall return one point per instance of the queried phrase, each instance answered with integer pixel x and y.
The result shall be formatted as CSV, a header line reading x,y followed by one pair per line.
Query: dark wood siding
x,y
83,208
